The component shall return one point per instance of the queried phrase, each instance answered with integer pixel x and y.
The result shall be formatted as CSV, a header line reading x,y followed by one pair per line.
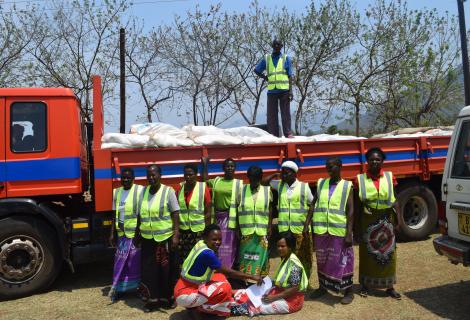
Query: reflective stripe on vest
x,y
293,213
192,215
277,75
189,262
384,198
130,211
237,185
283,272
155,221
329,214
254,217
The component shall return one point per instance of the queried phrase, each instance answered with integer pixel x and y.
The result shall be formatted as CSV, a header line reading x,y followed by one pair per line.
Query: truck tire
x,y
419,209
29,256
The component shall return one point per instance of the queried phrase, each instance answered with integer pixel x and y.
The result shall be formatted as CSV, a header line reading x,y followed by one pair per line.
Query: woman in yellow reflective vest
x,y
333,233
225,198
290,283
377,222
203,287
195,209
159,230
126,273
254,221
295,209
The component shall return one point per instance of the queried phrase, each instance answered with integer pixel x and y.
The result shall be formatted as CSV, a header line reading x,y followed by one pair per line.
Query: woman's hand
x,y
268,299
258,279
348,240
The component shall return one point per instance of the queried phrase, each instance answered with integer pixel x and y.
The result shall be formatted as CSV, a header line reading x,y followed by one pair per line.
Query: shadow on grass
x,y
92,275
450,301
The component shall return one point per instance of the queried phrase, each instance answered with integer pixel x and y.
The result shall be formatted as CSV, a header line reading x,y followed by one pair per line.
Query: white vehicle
x,y
455,226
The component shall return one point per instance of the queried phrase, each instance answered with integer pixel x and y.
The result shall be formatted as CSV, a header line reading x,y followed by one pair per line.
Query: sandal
x,y
348,297
364,292
318,293
151,306
393,293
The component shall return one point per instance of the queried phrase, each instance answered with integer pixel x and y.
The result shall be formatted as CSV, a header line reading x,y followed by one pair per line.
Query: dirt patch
x,y
431,288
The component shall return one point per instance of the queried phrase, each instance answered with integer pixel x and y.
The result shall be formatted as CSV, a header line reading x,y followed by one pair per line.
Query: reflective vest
x,y
254,217
192,215
130,211
283,272
189,262
384,198
277,75
155,221
329,214
237,185
293,213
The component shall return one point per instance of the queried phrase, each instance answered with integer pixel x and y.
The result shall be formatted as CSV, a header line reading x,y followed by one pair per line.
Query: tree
x,y
73,42
147,68
380,43
419,89
319,37
15,35
196,53
251,34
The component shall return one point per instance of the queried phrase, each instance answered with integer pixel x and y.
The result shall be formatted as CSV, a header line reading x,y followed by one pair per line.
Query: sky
x,y
156,12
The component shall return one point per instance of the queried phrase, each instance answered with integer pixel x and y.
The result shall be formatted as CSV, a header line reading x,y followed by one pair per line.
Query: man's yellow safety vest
x,y
277,75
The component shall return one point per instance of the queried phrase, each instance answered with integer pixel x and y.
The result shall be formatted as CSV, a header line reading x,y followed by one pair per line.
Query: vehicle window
x,y
28,127
461,167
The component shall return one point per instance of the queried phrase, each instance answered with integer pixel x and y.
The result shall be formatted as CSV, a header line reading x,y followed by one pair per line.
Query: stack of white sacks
x,y
154,135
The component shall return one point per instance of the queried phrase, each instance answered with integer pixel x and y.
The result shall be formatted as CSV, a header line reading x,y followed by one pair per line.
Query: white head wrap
x,y
291,165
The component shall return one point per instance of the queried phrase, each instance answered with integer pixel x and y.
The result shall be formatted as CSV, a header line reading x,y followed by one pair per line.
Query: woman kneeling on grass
x,y
290,283
203,287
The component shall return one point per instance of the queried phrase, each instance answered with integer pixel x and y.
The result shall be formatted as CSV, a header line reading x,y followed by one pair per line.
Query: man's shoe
x,y
290,136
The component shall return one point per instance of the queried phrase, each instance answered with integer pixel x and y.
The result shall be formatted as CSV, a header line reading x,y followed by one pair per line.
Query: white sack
x,y
251,132
164,140
150,129
131,140
193,131
217,139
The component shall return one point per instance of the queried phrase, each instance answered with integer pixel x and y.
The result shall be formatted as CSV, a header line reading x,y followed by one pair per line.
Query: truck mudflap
x,y
455,250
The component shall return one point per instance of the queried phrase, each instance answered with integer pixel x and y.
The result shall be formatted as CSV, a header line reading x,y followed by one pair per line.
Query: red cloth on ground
x,y
214,297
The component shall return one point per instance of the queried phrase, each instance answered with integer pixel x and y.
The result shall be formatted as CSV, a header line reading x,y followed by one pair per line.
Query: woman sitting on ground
x,y
290,283
203,287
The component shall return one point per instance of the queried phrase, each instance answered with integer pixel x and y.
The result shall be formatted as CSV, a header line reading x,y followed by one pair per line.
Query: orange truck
x,y
56,181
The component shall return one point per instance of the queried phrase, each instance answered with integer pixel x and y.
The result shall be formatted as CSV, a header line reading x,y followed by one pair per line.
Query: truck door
x,y
458,183
3,188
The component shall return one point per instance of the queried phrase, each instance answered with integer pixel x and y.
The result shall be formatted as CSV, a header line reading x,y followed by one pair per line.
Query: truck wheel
x,y
419,209
29,256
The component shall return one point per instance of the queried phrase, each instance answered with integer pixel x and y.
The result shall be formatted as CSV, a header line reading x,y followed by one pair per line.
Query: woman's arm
x,y
398,216
349,220
283,295
239,275
205,169
266,180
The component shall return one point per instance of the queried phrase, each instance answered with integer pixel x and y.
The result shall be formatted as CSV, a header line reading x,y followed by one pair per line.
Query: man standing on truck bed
x,y
279,76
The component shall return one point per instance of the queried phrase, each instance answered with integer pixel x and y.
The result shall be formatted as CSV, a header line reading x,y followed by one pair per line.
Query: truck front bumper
x,y
457,251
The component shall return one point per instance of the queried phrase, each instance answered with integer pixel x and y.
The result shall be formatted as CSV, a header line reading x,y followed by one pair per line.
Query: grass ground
x,y
431,288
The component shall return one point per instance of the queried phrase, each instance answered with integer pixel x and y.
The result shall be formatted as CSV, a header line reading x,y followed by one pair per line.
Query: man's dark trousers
x,y
280,99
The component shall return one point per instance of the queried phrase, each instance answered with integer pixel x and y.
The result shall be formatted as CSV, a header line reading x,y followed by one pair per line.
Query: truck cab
x,y
43,170
455,225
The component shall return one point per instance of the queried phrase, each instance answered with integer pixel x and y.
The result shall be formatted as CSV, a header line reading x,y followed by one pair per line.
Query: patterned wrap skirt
x,y
377,250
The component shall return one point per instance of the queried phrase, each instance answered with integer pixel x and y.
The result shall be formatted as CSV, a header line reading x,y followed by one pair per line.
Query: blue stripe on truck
x,y
43,169
270,164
